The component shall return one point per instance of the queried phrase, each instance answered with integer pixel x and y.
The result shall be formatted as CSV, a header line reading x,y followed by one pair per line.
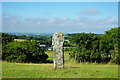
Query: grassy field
x,y
71,70
50,54
20,40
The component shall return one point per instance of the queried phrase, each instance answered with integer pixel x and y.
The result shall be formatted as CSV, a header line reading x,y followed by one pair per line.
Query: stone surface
x,y
57,43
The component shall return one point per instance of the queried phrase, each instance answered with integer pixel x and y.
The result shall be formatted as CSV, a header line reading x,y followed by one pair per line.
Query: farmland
x,y
71,70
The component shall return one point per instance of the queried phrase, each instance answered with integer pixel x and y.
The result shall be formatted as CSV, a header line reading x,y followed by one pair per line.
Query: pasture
x,y
50,55
71,70
20,40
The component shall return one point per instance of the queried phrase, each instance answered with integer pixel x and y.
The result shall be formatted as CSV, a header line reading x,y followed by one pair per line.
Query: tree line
x,y
96,48
41,39
87,47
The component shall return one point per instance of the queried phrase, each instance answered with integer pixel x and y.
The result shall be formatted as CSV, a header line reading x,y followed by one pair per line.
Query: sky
x,y
65,17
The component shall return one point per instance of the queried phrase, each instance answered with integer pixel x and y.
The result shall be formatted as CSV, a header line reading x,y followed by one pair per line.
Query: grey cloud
x,y
62,24
11,21
92,11
110,20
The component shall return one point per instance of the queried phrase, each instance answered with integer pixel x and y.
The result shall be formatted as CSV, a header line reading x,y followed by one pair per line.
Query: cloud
x,y
47,13
11,21
91,11
62,24
110,20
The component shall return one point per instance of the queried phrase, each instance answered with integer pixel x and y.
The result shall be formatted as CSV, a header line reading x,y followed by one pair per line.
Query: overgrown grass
x,y
71,70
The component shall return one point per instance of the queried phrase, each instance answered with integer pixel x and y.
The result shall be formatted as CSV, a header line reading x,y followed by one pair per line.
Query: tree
x,y
97,48
6,38
23,52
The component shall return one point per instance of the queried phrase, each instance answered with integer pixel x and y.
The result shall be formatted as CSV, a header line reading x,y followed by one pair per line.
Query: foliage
x,y
96,48
40,39
83,47
6,38
23,52
51,55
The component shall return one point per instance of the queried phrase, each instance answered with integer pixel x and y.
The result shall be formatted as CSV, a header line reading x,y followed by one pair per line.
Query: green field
x,y
20,40
50,55
71,70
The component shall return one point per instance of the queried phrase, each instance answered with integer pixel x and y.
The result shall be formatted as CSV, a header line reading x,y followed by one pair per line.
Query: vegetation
x,y
88,49
82,47
51,55
23,52
96,48
71,70
20,40
6,38
40,39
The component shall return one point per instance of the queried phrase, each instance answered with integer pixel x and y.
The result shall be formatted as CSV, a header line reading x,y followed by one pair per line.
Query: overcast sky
x,y
65,17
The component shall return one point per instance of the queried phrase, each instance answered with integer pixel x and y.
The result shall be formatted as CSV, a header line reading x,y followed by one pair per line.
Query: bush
x,y
23,52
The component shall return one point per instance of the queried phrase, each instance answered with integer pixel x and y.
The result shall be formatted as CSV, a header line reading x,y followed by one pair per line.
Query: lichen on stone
x,y
59,33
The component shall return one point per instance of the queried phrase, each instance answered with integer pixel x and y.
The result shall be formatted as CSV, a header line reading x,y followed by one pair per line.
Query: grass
x,y
20,40
51,55
71,70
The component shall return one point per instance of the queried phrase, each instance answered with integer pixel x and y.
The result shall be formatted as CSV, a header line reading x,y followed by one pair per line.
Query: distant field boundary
x,y
20,40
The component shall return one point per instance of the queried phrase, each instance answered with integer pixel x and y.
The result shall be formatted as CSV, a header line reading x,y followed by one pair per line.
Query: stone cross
x,y
57,43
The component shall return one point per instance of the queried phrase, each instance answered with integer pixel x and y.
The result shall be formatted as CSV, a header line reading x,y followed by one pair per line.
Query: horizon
x,y
65,17
55,32
49,32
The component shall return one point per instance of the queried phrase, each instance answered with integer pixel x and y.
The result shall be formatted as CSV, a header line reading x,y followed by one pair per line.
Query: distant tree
x,y
6,38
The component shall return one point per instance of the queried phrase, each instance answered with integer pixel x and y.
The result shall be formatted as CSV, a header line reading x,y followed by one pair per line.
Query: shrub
x,y
23,52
